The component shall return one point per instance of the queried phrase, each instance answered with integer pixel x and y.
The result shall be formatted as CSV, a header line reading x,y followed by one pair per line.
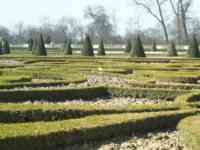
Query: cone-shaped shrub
x,y
154,46
193,51
87,47
30,44
6,47
101,50
138,49
39,46
128,46
172,49
67,48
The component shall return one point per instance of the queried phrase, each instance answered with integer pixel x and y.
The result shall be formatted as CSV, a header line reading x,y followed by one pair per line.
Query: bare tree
x,y
180,9
154,7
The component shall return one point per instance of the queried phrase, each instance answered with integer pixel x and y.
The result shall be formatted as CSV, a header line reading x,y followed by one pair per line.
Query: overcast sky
x,y
31,11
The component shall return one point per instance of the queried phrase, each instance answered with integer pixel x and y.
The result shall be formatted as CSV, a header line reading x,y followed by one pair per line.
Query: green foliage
x,y
128,46
138,49
87,47
193,51
154,46
190,132
67,47
39,46
48,135
1,48
30,44
101,50
5,46
172,49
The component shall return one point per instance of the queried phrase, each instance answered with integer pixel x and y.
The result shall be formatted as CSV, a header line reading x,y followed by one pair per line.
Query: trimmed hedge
x,y
52,95
190,132
162,94
54,112
55,135
55,95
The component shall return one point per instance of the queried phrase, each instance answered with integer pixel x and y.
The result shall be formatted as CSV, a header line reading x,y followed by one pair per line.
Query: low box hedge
x,y
161,94
15,113
52,95
55,135
190,132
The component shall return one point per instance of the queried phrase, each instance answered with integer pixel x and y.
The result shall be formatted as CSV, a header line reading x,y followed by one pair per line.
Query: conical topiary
x,y
6,47
30,44
128,46
87,47
67,48
154,47
193,51
172,49
101,50
138,49
39,46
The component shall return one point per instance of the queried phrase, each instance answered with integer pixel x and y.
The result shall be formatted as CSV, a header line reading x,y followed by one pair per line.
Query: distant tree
x,y
87,47
128,46
101,50
138,49
1,51
193,51
67,47
48,39
30,44
39,46
5,46
154,47
172,49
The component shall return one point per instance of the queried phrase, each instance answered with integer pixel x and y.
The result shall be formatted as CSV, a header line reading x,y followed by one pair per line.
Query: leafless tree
x,y
155,8
180,9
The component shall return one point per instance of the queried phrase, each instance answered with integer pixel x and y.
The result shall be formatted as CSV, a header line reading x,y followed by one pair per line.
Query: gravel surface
x,y
168,140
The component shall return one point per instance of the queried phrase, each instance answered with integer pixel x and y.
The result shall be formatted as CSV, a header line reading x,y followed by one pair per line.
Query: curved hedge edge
x,y
190,132
188,99
79,131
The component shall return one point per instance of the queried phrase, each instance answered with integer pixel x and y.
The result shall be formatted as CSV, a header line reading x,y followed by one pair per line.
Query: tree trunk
x,y
162,21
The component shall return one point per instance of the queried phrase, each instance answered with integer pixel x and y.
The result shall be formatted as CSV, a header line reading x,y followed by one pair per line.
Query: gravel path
x,y
168,140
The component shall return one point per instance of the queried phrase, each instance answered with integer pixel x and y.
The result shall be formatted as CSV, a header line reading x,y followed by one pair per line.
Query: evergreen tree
x,y
138,49
67,47
128,46
172,49
101,50
39,46
30,44
1,51
6,47
87,47
193,51
154,47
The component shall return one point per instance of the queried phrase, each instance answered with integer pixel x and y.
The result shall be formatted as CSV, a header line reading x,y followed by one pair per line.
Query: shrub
x,y
39,46
154,47
30,44
101,50
172,49
138,49
193,51
87,47
128,46
67,48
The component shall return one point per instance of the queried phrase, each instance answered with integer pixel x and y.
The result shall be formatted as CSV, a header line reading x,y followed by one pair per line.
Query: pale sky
x,y
31,11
